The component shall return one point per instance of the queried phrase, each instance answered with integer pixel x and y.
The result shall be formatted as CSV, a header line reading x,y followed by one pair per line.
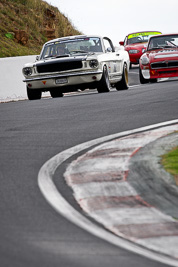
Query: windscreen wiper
x,y
78,51
155,48
65,55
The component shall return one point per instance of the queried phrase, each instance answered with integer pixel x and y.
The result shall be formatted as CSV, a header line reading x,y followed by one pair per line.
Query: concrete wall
x,y
11,85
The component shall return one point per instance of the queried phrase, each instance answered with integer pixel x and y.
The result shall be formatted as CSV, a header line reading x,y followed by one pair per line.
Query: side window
x,y
47,52
107,45
125,41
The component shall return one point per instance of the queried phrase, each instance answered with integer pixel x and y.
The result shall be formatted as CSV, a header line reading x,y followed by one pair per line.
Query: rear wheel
x,y
56,93
104,84
33,94
124,83
142,79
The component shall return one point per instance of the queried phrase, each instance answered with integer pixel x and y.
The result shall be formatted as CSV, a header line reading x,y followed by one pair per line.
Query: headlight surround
x,y
93,63
133,51
27,71
145,61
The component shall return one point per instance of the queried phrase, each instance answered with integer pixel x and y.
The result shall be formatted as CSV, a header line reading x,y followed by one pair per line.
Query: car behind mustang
x,y
76,62
135,44
160,59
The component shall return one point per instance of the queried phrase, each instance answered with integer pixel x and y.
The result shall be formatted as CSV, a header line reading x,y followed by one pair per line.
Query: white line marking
x,y
162,242
55,199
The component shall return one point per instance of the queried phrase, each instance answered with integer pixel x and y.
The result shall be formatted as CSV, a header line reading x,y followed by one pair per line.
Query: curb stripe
x,y
55,199
103,202
114,157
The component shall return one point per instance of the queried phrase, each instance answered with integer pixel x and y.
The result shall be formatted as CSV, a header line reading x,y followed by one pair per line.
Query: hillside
x,y
25,25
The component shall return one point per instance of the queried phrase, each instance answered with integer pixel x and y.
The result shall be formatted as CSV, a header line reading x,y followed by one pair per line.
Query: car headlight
x,y
133,51
93,63
27,71
145,61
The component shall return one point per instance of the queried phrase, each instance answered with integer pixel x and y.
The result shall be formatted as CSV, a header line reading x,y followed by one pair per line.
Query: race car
x,y
75,63
135,44
160,59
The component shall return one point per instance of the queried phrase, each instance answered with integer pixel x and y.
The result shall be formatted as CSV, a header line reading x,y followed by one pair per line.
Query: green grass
x,y
170,162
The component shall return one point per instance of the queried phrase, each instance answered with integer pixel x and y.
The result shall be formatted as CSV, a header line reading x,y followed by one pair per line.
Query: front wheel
x,y
104,84
142,79
33,94
124,83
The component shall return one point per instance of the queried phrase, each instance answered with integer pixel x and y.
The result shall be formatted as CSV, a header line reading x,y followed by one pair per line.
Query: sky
x,y
115,18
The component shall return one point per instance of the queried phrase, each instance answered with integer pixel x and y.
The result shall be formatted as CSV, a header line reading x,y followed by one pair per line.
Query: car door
x,y
113,62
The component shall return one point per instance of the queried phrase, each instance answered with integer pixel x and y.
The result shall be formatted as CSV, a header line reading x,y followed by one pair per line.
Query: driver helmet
x,y
61,49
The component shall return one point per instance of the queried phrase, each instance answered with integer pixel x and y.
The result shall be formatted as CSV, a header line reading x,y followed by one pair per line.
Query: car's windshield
x,y
140,37
165,41
72,46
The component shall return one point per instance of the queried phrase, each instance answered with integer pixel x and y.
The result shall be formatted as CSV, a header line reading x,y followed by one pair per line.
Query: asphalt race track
x,y
32,232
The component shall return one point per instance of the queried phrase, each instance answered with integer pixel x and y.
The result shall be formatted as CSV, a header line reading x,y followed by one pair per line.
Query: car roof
x,y
72,37
162,35
141,32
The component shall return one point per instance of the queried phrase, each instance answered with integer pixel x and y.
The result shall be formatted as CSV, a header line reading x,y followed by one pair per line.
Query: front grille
x,y
164,64
158,65
167,71
173,64
58,66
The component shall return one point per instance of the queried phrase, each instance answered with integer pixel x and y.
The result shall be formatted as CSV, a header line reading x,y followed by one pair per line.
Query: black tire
x,y
56,93
33,94
124,83
153,80
104,84
142,79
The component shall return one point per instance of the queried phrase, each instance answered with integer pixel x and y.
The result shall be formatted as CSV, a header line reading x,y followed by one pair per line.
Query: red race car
x,y
160,59
135,44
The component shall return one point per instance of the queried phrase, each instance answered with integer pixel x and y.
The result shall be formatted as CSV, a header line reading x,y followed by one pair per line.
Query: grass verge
x,y
37,20
170,163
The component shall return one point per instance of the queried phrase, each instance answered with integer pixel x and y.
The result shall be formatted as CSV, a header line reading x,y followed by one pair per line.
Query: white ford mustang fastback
x,y
77,62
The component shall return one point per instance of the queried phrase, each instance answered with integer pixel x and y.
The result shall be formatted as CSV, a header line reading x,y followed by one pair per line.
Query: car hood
x,y
138,46
163,54
61,59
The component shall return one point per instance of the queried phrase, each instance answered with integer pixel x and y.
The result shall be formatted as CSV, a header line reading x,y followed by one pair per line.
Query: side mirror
x,y
121,43
37,58
109,49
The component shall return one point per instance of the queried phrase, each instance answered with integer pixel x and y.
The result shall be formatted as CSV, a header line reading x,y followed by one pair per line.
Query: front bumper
x,y
76,78
134,58
159,73
163,73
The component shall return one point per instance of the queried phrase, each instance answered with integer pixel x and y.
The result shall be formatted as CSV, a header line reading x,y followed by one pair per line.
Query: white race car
x,y
77,62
